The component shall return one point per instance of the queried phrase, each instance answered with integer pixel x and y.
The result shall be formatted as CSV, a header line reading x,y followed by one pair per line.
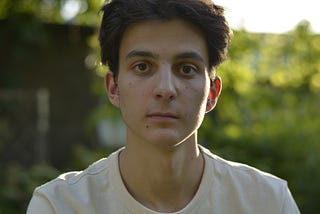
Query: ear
x,y
112,90
215,90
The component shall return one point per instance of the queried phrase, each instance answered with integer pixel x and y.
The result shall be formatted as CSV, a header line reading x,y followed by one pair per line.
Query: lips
x,y
162,116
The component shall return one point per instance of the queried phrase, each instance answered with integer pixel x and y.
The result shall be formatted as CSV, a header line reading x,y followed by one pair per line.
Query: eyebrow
x,y
184,55
137,53
189,55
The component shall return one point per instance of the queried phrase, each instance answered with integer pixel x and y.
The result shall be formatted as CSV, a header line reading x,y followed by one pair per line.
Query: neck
x,y
162,180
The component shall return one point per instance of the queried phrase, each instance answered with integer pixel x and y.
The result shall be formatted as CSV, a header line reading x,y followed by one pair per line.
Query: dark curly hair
x,y
119,14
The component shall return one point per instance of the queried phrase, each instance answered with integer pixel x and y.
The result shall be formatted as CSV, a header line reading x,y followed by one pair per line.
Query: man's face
x,y
163,84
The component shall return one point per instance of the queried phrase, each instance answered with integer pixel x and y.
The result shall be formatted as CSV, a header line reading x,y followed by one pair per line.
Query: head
x,y
118,15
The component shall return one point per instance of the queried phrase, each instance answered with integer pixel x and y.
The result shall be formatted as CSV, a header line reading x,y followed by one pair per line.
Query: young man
x,y
162,56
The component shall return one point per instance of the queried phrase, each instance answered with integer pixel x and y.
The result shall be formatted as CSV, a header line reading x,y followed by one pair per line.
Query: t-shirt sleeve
x,y
289,206
39,204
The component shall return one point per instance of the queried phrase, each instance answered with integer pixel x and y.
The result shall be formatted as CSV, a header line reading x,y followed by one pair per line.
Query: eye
x,y
188,69
141,67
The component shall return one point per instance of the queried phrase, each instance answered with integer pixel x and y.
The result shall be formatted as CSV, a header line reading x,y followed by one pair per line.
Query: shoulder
x,y
77,180
78,192
244,179
250,190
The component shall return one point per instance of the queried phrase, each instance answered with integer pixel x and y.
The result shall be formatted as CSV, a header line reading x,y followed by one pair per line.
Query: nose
x,y
165,85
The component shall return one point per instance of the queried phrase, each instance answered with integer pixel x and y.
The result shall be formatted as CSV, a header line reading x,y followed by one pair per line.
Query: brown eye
x,y
141,67
188,70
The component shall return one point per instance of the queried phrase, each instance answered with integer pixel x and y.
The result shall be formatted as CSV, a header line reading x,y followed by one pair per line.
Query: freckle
x,y
186,87
147,126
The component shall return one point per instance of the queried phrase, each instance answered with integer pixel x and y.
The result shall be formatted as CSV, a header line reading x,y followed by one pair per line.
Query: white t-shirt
x,y
226,188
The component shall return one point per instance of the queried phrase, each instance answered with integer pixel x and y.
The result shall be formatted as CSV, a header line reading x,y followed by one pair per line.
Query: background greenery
x,y
267,115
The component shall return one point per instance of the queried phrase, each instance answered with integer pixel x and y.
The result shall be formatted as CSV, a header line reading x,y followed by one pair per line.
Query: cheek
x,y
124,93
130,84
196,101
131,95
197,95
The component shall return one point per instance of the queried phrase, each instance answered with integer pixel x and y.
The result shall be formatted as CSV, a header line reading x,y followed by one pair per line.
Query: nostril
x,y
166,94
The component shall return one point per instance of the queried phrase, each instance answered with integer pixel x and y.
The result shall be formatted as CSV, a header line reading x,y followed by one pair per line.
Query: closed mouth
x,y
162,115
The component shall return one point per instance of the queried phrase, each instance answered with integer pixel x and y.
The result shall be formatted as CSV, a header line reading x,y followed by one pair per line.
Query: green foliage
x,y
82,157
18,184
51,10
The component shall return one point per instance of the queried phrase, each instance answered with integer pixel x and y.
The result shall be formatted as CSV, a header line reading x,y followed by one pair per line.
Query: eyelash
x,y
179,69
194,69
135,67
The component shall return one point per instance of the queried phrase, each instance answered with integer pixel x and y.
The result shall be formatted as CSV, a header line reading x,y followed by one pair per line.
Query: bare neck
x,y
162,180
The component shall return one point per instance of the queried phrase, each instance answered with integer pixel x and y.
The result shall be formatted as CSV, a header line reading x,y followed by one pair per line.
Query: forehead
x,y
163,38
